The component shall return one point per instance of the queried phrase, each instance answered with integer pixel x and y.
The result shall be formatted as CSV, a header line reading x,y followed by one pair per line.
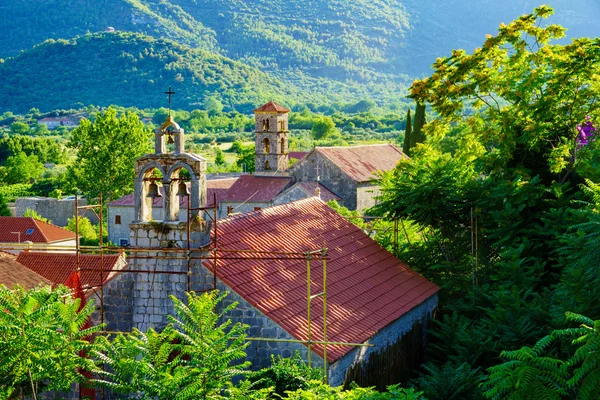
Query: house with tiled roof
x,y
121,212
372,297
378,309
57,267
14,273
349,172
252,192
18,233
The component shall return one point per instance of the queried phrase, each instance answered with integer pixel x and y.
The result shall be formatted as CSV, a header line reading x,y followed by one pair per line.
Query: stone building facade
x,y
349,172
271,138
57,211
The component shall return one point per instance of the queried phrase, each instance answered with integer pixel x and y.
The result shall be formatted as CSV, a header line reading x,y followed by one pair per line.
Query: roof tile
x,y
57,267
13,273
272,107
39,232
361,162
256,188
368,288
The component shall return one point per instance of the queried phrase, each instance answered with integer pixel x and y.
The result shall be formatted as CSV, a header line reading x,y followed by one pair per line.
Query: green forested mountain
x,y
336,50
130,69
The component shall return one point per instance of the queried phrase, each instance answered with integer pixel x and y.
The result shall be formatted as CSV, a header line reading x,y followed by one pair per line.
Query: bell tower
x,y
271,154
169,177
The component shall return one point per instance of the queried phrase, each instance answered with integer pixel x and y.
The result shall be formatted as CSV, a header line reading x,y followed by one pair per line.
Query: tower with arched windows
x,y
271,154
168,176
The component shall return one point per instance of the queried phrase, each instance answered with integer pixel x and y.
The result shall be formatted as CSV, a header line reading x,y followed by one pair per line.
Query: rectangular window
x,y
118,219
257,208
123,242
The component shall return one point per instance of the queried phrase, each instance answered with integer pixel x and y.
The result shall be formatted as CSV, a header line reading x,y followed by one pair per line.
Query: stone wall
x,y
290,195
57,211
387,336
366,196
329,175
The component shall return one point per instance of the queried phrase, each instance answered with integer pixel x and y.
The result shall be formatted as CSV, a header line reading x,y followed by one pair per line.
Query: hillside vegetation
x,y
130,70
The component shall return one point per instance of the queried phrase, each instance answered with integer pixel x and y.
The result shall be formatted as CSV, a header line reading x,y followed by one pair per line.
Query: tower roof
x,y
272,107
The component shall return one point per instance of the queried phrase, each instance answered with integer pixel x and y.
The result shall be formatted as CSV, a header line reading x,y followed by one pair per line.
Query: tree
x,y
537,371
407,133
418,135
32,214
22,168
213,104
4,210
219,156
106,149
194,357
323,128
86,229
42,338
245,159
19,128
498,191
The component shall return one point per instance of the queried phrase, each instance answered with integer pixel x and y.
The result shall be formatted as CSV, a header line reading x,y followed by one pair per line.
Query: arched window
x,y
264,125
266,145
282,146
267,125
282,126
267,165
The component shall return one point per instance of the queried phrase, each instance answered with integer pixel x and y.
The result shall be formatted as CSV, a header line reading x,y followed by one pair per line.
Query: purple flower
x,y
586,132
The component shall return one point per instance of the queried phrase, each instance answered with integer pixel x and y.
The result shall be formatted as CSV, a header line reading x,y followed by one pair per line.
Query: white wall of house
x,y
118,228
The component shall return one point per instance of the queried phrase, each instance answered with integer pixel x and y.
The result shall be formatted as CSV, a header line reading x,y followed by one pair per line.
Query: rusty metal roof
x,y
272,107
32,230
361,162
368,288
256,189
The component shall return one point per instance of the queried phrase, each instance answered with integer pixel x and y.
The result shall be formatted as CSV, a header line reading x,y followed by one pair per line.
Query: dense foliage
x,y
504,196
105,150
42,340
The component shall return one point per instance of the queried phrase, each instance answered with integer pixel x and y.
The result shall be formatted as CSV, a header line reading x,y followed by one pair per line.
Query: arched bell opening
x,y
282,146
266,146
184,188
151,192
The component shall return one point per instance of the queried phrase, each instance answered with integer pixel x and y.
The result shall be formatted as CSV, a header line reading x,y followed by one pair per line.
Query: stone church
x,y
372,297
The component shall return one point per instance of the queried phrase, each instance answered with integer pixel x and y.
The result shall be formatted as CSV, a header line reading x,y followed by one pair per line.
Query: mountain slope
x,y
29,22
131,70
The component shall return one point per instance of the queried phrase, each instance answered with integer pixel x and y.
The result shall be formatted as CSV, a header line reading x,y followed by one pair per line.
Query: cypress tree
x,y
407,133
4,210
420,121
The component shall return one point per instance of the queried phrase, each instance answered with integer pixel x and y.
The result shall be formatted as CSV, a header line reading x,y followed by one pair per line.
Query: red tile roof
x,y
13,273
298,155
57,267
360,162
40,232
213,186
272,107
367,287
256,188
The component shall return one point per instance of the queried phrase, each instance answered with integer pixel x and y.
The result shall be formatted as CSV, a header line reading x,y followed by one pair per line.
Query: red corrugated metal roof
x,y
57,267
14,273
213,186
256,188
368,288
39,232
360,162
272,107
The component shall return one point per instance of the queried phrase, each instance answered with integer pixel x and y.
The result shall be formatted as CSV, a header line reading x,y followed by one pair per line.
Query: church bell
x,y
153,192
182,189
